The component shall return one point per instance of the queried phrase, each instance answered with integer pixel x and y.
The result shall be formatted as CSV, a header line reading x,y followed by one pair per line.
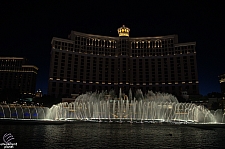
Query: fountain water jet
x,y
153,107
101,107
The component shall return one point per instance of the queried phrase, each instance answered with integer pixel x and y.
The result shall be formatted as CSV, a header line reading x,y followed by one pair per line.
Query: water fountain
x,y
151,108
19,113
103,107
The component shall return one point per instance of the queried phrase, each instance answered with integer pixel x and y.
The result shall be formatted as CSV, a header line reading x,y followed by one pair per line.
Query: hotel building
x,y
15,74
87,62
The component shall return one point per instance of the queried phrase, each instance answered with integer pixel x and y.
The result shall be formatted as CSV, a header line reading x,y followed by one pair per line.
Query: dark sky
x,y
26,29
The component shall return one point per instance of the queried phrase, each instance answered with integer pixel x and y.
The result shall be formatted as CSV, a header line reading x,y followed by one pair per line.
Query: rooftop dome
x,y
123,31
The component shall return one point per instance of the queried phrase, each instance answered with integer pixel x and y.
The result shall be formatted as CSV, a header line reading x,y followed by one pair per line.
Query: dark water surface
x,y
104,135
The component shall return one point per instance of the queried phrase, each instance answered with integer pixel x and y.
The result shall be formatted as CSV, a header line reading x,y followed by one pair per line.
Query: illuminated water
x,y
149,107
119,123
110,135
101,107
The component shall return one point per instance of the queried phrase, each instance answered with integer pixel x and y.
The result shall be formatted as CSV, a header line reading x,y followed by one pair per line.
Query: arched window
x,y
158,43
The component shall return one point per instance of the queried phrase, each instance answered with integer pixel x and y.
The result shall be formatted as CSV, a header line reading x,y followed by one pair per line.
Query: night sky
x,y
27,28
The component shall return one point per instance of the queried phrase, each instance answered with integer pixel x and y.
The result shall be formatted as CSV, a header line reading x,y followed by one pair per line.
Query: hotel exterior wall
x,y
92,62
15,74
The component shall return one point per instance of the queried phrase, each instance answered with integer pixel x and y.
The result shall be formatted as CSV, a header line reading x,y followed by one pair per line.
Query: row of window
x,y
112,43
64,56
110,48
79,88
125,51
124,80
147,64
103,69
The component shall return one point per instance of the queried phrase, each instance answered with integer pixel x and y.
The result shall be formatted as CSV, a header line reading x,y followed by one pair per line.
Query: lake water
x,y
113,135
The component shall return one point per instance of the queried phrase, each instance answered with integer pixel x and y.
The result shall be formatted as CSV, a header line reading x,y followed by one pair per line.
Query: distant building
x,y
87,62
38,93
201,102
16,76
185,95
222,85
214,102
72,99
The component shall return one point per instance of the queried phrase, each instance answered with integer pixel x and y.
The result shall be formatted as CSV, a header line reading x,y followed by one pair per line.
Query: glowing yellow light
x,y
123,31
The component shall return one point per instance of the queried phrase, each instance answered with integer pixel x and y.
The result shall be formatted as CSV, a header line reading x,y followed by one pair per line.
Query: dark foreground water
x,y
104,135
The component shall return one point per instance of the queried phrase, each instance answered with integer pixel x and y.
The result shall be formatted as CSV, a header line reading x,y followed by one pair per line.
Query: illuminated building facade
x,y
87,62
15,74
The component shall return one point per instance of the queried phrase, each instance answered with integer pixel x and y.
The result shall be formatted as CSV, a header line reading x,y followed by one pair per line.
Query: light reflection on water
x,y
101,135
